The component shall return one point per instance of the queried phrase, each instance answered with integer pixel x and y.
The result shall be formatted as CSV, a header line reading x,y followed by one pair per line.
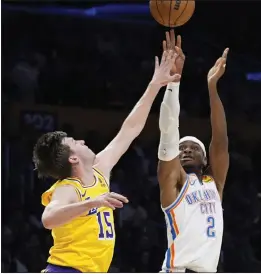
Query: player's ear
x,y
73,159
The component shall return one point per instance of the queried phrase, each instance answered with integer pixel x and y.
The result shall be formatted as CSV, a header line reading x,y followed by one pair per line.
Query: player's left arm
x,y
218,150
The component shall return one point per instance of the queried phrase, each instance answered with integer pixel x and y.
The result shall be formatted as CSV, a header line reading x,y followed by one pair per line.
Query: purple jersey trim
x,y
51,268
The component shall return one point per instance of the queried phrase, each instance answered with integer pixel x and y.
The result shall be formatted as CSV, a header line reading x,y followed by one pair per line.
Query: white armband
x,y
169,123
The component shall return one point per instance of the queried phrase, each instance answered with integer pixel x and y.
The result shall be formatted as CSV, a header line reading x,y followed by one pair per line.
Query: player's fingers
x,y
180,52
222,63
164,57
179,41
175,77
174,57
170,54
170,59
172,38
119,197
224,55
156,62
164,45
107,204
168,40
116,203
218,62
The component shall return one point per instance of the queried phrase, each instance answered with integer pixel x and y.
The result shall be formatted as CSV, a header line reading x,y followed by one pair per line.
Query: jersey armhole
x,y
78,193
76,189
47,195
180,196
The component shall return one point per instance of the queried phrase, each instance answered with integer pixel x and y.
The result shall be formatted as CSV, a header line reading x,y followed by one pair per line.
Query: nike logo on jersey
x,y
170,89
84,195
102,183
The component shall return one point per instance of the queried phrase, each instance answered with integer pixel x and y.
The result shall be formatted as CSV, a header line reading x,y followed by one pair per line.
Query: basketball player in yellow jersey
x,y
79,206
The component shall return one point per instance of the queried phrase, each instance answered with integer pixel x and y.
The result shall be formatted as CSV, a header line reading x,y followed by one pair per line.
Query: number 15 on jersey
x,y
105,226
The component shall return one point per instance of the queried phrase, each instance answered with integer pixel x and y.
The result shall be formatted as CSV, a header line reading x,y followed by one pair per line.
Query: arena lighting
x,y
121,13
120,9
254,76
108,10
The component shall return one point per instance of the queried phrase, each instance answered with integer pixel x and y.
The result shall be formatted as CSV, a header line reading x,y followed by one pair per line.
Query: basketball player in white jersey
x,y
191,201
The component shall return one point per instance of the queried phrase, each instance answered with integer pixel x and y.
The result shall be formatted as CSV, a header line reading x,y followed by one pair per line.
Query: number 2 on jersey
x,y
106,232
211,225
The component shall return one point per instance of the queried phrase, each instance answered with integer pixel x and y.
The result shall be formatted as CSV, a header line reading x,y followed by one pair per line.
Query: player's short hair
x,y
50,156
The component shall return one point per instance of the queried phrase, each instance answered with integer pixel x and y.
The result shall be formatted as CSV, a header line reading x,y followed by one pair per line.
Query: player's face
x,y
79,151
191,154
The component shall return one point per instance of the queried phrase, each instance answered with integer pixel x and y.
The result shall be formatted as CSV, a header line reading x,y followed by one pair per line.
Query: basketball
x,y
172,13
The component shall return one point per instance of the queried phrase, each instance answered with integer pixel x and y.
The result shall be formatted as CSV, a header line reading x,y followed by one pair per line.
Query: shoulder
x,y
73,182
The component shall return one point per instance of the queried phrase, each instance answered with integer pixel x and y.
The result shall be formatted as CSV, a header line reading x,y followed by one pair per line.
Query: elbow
x,y
47,222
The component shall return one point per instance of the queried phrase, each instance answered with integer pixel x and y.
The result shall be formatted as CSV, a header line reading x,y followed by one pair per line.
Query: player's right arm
x,y
170,171
65,205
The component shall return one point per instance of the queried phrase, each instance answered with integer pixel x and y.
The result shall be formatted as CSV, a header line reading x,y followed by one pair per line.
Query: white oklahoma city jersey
x,y
194,227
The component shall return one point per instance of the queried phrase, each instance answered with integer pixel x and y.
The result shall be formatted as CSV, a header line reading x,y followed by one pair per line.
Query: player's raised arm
x,y
218,150
170,172
136,120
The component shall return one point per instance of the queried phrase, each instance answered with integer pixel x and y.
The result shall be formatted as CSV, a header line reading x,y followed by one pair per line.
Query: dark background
x,y
64,70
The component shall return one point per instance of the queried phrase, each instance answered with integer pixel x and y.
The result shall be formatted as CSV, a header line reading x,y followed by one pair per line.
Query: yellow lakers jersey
x,y
87,242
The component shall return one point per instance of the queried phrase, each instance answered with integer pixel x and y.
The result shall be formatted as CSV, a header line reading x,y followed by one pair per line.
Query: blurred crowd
x,y
63,60
58,60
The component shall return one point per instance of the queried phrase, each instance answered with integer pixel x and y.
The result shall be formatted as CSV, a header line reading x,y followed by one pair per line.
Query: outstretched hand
x,y
111,200
171,44
216,72
162,73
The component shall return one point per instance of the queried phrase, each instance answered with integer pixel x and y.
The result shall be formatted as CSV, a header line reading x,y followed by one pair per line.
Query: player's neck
x,y
85,175
196,170
88,178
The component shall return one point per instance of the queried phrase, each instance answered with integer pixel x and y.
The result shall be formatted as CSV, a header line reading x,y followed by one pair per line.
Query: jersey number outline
x,y
211,233
107,231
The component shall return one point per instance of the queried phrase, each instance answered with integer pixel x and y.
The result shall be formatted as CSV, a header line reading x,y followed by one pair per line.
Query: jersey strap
x,y
181,195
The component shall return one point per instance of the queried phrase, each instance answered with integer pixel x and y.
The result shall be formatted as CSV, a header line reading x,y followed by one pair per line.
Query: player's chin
x,y
188,163
90,152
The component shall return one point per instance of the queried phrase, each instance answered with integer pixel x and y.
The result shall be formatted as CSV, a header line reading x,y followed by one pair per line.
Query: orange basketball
x,y
172,13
